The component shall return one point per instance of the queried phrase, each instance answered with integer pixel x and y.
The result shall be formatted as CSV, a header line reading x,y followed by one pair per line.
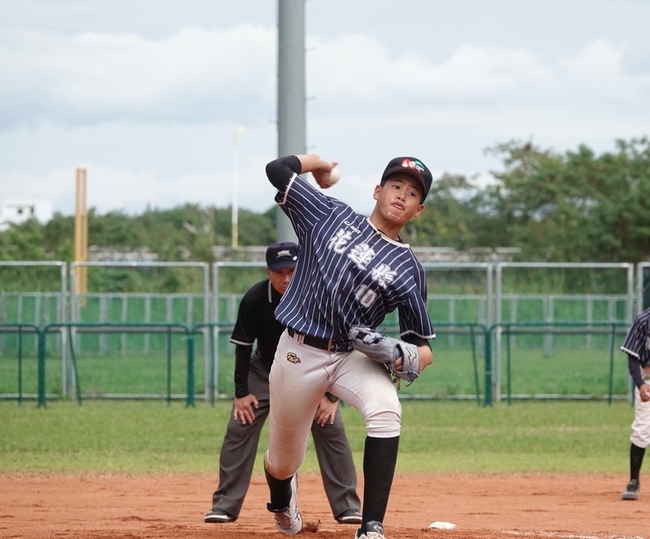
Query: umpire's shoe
x,y
350,516
289,519
631,491
218,515
373,530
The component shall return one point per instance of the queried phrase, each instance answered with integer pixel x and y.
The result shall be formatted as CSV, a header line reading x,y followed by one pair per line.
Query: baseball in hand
x,y
334,176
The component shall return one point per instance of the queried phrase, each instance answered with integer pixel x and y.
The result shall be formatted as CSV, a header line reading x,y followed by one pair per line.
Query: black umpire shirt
x,y
255,323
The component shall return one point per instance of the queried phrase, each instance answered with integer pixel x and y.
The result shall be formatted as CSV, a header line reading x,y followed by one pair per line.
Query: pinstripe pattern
x,y
348,272
637,341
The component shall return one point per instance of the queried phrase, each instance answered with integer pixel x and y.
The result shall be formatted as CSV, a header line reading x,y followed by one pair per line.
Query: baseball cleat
x,y
350,516
374,530
631,491
289,520
218,515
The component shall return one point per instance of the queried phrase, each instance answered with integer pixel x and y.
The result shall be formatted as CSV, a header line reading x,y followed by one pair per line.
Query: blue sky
x,y
147,95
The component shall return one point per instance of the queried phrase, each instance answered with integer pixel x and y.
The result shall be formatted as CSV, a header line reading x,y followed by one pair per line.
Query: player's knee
x,y
385,424
641,440
280,470
386,421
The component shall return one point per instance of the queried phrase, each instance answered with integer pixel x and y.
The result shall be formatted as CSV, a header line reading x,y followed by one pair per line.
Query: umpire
x,y
256,322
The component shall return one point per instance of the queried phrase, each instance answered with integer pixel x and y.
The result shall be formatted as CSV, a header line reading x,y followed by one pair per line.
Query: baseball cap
x,y
413,167
281,256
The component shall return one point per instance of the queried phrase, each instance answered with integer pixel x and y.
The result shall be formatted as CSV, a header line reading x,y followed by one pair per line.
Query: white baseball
x,y
334,176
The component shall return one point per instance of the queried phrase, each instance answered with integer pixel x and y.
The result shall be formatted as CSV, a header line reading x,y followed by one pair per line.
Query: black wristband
x,y
331,398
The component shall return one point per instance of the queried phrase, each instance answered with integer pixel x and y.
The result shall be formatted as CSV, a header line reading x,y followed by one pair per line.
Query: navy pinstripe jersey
x,y
348,273
637,341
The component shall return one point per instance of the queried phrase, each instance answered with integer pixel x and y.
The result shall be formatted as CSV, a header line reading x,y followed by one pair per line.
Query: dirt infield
x,y
172,506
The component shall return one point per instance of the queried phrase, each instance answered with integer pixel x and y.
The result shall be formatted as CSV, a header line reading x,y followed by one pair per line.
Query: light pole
x,y
235,181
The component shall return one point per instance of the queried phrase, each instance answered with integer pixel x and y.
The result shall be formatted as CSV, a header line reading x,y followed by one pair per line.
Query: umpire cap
x,y
281,256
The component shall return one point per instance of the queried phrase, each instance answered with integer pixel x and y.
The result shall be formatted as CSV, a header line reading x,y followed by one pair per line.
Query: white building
x,y
19,211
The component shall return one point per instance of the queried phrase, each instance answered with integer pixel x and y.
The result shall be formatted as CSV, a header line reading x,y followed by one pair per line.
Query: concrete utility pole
x,y
291,92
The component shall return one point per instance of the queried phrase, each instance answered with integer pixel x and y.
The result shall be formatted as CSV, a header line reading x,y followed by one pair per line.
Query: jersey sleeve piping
x,y
411,332
281,197
630,352
241,343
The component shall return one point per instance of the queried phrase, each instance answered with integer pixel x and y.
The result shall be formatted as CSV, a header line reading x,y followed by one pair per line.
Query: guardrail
x,y
494,343
497,333
20,330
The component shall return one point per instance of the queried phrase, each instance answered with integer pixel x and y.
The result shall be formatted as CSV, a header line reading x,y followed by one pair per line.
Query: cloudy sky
x,y
147,95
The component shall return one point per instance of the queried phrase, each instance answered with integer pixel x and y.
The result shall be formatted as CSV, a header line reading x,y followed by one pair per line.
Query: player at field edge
x,y
637,347
255,337
352,270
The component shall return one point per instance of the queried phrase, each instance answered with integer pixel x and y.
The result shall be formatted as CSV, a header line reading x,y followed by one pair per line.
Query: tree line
x,y
577,206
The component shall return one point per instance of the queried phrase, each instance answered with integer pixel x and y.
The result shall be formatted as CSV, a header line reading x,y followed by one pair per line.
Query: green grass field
x,y
437,436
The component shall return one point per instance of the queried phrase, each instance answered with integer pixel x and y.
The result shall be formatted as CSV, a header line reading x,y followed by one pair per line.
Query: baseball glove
x,y
387,350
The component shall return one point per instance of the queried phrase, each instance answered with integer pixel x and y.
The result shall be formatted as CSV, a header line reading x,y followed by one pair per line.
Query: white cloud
x,y
361,69
598,60
121,189
356,79
598,77
98,76
486,73
132,164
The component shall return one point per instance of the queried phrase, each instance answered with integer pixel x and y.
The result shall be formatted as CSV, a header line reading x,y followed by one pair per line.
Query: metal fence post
x,y
41,368
190,366
488,366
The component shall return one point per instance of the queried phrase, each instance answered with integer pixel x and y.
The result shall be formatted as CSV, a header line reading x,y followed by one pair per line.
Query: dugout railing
x,y
25,364
596,366
71,378
529,367
71,331
77,298
463,352
211,332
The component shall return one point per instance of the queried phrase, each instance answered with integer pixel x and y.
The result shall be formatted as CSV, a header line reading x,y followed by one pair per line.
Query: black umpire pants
x,y
239,449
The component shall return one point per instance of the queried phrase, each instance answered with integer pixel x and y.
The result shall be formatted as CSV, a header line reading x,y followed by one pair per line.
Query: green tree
x,y
114,229
58,235
257,229
575,207
457,215
24,241
620,202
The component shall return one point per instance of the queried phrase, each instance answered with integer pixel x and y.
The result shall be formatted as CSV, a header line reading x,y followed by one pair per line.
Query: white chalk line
x,y
562,535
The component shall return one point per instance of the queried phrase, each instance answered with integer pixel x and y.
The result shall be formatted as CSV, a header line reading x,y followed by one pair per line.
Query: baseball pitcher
x,y
352,270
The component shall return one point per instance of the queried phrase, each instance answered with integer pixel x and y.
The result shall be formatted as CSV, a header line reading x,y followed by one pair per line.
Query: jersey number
x,y
365,296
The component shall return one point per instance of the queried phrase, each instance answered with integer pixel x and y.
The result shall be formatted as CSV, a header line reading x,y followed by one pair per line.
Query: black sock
x,y
280,492
636,460
379,459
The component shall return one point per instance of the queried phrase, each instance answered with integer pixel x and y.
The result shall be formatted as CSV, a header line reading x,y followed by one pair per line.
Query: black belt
x,y
322,344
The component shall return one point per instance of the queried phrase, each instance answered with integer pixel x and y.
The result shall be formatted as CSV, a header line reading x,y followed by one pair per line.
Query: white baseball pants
x,y
641,425
300,376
